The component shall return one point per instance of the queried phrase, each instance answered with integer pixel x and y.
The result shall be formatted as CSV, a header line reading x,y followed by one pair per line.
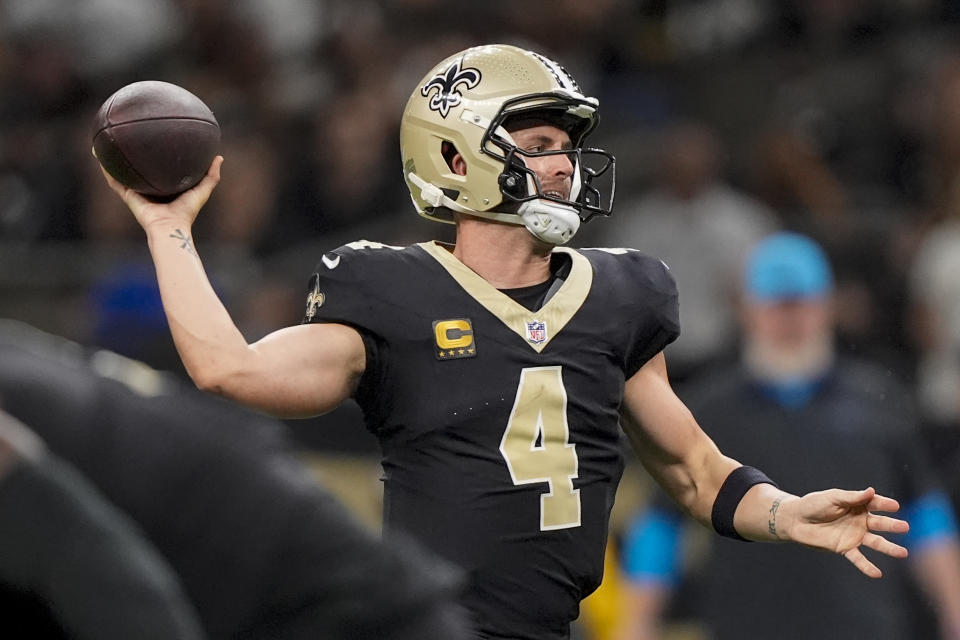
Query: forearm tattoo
x,y
772,521
185,241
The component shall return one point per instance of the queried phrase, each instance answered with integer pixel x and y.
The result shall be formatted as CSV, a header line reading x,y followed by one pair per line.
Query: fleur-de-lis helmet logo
x,y
446,83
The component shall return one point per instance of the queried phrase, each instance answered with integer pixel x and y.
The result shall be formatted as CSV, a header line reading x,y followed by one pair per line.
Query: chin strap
x,y
434,195
548,221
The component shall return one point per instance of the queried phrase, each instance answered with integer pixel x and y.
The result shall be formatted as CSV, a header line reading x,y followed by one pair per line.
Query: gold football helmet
x,y
464,105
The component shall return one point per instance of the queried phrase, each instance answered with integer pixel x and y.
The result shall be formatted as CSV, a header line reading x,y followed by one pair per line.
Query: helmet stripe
x,y
565,80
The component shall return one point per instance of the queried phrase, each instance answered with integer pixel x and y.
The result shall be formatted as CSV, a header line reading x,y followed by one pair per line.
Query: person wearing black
x,y
71,564
262,550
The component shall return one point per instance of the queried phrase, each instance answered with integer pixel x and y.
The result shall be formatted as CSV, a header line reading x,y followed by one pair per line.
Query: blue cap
x,y
787,265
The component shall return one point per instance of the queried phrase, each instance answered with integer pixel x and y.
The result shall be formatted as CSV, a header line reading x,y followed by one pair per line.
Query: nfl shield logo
x,y
536,331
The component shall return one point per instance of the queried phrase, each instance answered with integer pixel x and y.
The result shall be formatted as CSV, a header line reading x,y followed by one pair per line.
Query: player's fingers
x,y
113,184
215,167
883,503
860,562
129,196
887,524
881,544
854,498
199,194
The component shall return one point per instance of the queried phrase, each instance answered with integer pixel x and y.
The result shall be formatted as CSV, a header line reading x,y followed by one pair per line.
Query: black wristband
x,y
731,493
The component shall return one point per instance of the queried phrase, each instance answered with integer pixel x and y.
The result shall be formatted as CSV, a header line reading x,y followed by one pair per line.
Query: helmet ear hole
x,y
449,152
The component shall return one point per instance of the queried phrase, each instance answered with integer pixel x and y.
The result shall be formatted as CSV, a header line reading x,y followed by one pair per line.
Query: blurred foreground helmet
x,y
467,104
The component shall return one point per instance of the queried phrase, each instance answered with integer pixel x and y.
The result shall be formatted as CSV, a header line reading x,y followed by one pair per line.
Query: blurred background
x,y
729,118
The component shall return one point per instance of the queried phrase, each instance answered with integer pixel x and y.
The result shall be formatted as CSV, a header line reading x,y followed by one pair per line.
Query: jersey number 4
x,y
536,446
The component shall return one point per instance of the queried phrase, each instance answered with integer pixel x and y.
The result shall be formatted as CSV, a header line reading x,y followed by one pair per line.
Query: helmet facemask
x,y
519,183
549,216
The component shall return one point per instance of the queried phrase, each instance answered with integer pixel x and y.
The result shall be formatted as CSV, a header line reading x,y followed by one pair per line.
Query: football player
x,y
497,372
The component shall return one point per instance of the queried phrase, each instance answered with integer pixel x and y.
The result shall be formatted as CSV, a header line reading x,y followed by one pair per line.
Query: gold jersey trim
x,y
558,311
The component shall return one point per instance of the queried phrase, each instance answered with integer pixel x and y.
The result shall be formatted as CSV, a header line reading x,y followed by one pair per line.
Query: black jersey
x,y
499,425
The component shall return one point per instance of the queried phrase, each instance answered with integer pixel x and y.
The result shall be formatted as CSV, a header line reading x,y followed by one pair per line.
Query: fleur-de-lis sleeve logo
x,y
446,83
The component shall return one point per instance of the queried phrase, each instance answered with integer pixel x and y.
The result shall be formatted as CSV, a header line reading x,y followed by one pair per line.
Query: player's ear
x,y
454,160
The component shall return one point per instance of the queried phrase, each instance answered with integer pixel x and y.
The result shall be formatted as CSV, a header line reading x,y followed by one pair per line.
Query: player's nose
x,y
560,165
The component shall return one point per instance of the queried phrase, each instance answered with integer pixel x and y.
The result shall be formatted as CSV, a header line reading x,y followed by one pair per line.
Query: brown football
x,y
156,138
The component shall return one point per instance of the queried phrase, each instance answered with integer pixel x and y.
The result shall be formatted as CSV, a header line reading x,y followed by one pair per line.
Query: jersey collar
x,y
554,315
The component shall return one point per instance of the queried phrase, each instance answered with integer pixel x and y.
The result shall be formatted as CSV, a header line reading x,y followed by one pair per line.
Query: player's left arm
x,y
686,462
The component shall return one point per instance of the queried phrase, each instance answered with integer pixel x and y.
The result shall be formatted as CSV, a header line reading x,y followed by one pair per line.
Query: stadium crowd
x,y
729,119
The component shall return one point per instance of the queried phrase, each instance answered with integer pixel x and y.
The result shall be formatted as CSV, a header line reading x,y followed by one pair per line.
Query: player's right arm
x,y
297,371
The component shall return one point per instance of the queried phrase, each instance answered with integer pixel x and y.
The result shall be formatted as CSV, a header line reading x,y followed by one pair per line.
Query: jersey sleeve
x,y
337,289
343,289
651,306
932,521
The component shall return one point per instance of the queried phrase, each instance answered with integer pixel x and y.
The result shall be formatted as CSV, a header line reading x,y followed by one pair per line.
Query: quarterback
x,y
499,373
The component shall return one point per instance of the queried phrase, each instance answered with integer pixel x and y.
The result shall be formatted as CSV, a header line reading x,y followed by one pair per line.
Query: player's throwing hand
x,y
183,210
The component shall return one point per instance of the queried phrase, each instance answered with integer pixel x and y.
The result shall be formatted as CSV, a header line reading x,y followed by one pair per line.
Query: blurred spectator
x,y
701,227
243,224
72,565
350,172
263,551
937,299
934,294
791,174
128,315
139,30
935,316
809,416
